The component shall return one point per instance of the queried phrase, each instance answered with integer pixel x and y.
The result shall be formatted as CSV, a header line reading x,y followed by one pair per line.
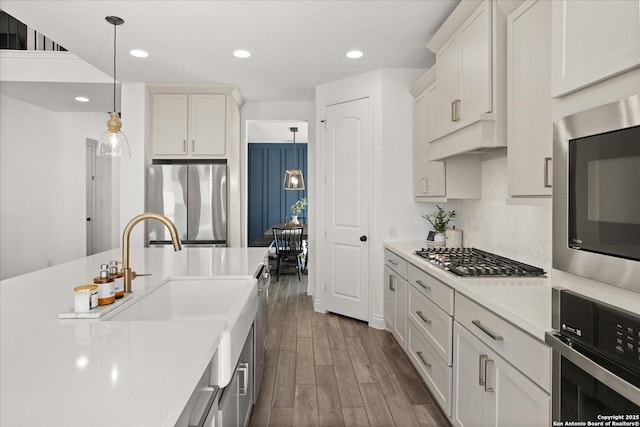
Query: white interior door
x,y
347,161
91,166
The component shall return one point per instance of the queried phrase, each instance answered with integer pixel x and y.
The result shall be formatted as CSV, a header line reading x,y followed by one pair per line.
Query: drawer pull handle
x,y
424,319
419,282
487,331
392,262
424,362
482,370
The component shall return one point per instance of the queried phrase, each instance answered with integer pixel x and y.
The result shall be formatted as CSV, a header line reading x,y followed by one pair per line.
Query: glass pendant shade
x,y
113,143
293,180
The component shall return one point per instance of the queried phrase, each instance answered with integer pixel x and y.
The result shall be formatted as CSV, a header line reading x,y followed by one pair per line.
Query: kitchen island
x,y
82,372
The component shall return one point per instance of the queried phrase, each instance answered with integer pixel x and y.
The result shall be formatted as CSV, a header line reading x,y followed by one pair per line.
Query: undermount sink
x,y
187,300
233,301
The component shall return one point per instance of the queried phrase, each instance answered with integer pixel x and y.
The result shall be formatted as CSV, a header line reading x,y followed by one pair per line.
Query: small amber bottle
x,y
106,290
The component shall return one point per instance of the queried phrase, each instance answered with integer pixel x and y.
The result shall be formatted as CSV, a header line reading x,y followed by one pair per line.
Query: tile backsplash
x,y
520,232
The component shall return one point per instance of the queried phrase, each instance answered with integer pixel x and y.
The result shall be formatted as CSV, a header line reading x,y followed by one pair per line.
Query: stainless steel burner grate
x,y
471,262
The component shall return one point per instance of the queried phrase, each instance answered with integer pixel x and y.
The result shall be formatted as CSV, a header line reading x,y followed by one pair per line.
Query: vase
x,y
294,219
439,239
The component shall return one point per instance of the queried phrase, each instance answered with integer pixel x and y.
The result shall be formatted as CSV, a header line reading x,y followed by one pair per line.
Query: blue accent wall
x,y
268,202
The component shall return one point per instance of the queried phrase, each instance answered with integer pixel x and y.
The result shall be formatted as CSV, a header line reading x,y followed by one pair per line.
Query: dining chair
x,y
289,248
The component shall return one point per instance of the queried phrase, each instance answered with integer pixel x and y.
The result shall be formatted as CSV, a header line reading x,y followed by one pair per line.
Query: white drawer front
x,y
435,290
526,353
433,322
398,264
435,372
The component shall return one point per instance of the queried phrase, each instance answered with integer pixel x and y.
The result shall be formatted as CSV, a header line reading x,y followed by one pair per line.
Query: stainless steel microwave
x,y
596,198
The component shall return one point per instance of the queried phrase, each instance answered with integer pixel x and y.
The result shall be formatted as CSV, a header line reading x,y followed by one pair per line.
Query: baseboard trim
x,y
377,322
318,307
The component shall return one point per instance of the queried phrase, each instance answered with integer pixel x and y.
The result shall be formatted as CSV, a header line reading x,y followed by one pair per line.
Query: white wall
x,y
132,170
394,214
42,185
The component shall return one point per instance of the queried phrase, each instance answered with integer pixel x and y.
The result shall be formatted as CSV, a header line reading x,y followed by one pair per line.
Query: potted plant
x,y
297,208
439,220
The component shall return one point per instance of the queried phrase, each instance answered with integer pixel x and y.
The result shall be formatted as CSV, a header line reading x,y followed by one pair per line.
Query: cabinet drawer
x,y
435,372
432,288
396,263
433,322
530,356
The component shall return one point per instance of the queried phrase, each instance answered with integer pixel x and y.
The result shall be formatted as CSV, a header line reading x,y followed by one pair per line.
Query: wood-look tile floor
x,y
330,370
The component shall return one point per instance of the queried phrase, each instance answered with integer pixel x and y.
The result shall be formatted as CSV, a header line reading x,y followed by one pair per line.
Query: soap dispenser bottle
x,y
118,278
106,286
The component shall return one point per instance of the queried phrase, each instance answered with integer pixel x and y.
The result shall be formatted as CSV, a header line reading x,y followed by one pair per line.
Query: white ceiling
x,y
295,44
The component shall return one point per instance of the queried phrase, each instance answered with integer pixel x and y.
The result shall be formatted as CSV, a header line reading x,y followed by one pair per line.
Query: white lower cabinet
x,y
434,370
395,304
488,391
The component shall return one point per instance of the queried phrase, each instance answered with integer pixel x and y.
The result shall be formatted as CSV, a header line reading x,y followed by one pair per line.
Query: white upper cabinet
x,y
429,177
529,118
170,118
189,125
464,72
208,125
437,181
592,40
470,49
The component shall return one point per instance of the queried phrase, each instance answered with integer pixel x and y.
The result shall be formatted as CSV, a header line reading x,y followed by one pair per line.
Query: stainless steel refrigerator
x,y
193,194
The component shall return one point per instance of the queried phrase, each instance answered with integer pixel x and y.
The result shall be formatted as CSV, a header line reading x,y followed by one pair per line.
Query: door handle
x,y
546,172
488,388
193,145
184,145
243,368
363,238
482,370
391,280
88,219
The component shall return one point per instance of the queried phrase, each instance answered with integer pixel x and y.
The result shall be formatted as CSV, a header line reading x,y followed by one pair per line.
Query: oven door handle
x,y
603,375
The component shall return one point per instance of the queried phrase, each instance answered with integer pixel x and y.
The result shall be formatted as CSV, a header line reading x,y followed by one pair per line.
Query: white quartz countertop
x,y
107,373
525,302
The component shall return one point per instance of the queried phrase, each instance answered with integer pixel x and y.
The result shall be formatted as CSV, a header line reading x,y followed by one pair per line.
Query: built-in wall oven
x,y
596,361
596,194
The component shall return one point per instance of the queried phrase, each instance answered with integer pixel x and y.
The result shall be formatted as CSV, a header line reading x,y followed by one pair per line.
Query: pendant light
x,y
293,179
113,142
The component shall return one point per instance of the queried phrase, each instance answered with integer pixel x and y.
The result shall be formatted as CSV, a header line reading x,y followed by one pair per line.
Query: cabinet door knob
x,y
363,238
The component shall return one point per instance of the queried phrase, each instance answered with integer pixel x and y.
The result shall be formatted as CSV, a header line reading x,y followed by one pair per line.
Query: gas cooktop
x,y
471,262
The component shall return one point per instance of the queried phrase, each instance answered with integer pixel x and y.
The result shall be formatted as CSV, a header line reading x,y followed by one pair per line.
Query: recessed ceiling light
x,y
241,53
354,54
82,99
138,53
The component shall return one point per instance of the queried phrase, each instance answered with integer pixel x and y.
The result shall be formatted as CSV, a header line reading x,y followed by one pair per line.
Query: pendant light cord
x,y
114,66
